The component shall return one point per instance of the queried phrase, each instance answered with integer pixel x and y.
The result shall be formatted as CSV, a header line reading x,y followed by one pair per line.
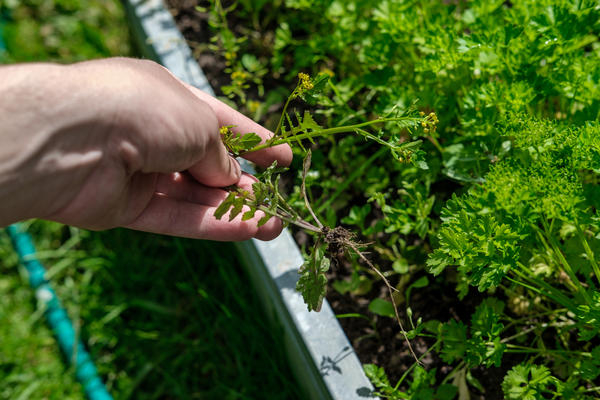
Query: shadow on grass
x,y
169,318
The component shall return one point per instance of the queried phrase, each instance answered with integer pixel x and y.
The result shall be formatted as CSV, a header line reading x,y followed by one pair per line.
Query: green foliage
x,y
422,387
484,345
313,282
265,197
382,307
483,248
63,30
238,144
530,382
589,318
501,194
509,218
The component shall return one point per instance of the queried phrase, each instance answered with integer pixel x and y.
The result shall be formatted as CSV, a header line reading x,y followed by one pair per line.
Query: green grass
x,y
162,317
63,30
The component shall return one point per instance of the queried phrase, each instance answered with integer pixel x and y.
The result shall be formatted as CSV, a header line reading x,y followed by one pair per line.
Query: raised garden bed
x,y
493,245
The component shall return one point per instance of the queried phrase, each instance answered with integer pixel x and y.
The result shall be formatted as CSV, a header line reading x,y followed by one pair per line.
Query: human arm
x,y
105,143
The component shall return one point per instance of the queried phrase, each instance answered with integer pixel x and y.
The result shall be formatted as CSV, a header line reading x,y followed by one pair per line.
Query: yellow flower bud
x,y
305,83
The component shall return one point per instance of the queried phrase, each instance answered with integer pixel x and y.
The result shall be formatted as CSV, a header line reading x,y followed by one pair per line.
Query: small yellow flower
x,y
421,113
239,76
305,83
224,130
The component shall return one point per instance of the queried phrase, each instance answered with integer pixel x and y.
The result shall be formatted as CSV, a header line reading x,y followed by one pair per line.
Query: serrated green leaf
x,y
376,375
454,341
312,283
225,205
264,220
236,209
437,262
248,214
529,382
261,193
250,140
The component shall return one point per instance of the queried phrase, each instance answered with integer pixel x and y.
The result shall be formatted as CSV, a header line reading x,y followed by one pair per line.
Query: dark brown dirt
x,y
193,25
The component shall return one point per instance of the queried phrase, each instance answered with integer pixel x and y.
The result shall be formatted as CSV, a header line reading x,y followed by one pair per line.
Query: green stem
x,y
593,389
533,328
285,107
589,252
550,292
405,374
580,289
436,144
286,218
517,321
514,348
329,131
454,371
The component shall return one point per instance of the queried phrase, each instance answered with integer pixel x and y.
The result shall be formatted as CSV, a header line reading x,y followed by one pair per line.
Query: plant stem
x,y
523,349
280,123
531,317
543,325
405,374
436,144
286,218
391,292
274,141
305,168
589,252
579,288
454,371
593,389
550,292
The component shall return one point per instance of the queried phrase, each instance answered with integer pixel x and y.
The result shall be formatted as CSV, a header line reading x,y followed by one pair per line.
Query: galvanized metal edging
x,y
318,350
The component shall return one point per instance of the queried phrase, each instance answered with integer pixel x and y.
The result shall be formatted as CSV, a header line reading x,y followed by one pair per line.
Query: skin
x,y
121,143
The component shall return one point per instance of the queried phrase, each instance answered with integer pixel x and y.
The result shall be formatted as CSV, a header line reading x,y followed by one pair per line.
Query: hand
x,y
121,142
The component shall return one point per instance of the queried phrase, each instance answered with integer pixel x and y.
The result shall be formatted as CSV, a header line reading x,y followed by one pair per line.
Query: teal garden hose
x,y
2,45
57,317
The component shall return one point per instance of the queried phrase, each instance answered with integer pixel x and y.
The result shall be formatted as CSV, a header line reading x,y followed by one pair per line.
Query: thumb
x,y
217,168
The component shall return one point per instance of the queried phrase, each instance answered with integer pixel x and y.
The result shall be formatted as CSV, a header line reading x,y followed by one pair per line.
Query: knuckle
x,y
209,126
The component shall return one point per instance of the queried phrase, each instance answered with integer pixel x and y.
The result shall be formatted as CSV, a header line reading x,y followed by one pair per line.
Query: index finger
x,y
228,116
